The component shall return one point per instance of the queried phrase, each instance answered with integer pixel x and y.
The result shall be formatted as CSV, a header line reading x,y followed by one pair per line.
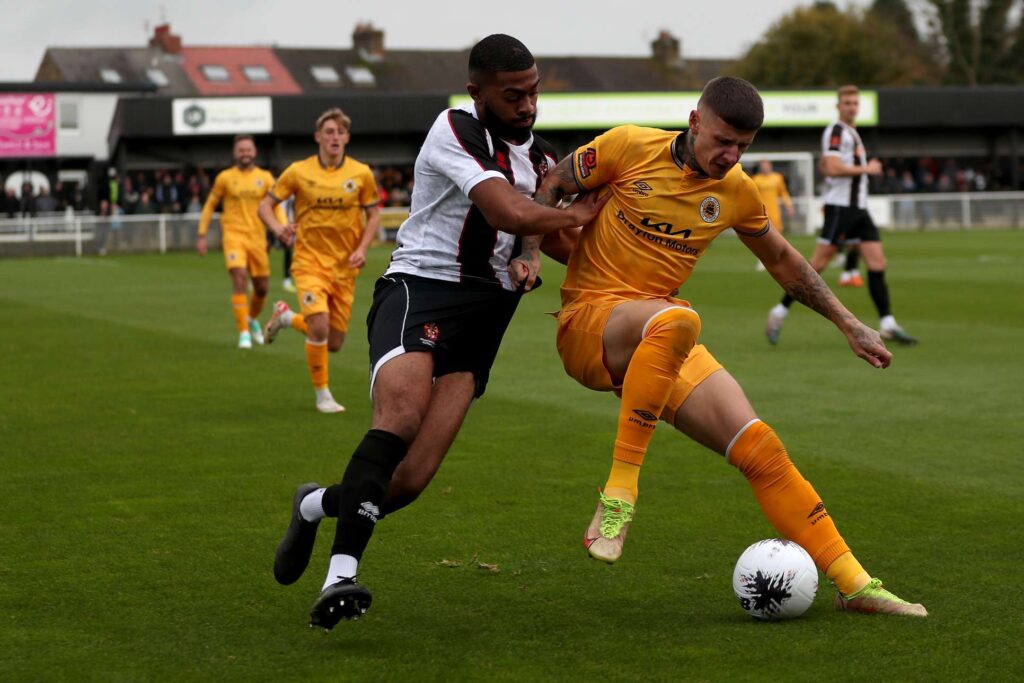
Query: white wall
x,y
95,115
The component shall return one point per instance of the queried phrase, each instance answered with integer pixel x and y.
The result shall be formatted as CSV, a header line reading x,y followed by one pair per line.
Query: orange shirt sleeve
x,y
597,162
286,184
368,195
212,200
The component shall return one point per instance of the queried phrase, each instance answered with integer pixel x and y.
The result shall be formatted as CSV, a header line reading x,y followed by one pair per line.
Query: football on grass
x,y
775,579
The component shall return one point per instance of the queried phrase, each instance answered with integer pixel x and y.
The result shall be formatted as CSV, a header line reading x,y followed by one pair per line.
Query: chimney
x,y
666,50
165,40
368,42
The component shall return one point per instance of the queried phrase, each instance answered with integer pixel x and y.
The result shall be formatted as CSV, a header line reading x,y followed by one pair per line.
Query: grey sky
x,y
710,28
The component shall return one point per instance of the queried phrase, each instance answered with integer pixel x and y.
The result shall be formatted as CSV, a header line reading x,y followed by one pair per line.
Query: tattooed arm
x,y
800,281
557,184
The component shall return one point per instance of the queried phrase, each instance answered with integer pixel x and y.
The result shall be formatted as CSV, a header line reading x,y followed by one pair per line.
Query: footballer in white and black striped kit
x,y
468,251
847,221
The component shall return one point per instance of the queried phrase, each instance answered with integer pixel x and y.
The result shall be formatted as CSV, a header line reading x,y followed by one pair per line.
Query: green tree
x,y
978,41
823,46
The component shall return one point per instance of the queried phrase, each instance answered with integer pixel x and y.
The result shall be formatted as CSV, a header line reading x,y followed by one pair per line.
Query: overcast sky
x,y
710,28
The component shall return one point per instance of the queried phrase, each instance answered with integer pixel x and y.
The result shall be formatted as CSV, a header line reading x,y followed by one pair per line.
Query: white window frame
x,y
325,74
206,69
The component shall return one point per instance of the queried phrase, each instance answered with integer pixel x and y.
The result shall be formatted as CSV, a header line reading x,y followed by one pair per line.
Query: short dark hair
x,y
735,101
243,136
499,52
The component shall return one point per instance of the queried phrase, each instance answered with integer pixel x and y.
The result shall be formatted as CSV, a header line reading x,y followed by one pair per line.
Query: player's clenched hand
x,y
201,245
357,259
867,344
587,205
524,269
287,234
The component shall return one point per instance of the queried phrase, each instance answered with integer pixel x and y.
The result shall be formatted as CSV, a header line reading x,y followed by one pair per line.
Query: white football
x,y
775,579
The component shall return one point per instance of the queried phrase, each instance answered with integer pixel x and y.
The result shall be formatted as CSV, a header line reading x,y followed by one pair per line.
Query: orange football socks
x,y
298,322
791,504
316,360
240,309
667,339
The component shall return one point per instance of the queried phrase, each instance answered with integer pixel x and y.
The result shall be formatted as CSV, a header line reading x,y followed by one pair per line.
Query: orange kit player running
x,y
333,192
621,328
241,188
772,186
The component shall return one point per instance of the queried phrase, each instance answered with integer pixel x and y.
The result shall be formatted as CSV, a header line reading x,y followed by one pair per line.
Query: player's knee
x,y
678,326
757,451
335,346
260,290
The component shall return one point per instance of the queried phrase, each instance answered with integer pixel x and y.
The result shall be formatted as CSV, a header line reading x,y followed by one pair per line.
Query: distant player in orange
x,y
241,188
336,218
772,186
621,328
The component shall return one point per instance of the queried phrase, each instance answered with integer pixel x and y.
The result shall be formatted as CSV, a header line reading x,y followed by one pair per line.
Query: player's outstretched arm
x,y
791,270
204,221
505,208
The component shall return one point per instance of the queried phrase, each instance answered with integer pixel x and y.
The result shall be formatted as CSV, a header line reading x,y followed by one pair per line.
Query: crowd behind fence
x,y
84,235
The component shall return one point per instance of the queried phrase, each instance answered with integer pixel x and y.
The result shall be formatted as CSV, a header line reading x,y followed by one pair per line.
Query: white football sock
x,y
286,317
888,322
342,566
312,506
323,395
780,311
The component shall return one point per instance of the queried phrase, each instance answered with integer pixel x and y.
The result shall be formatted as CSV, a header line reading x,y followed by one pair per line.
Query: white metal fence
x,y
83,235
86,235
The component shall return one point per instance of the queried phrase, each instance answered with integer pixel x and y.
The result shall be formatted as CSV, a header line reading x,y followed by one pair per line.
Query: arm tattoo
x,y
810,290
552,188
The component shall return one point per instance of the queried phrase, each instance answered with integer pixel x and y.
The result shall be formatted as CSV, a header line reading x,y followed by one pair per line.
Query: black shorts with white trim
x,y
460,324
847,225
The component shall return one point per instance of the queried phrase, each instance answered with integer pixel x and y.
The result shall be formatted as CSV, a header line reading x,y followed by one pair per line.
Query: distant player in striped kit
x,y
847,220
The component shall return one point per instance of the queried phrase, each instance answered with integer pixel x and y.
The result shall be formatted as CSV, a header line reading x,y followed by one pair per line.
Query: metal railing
x,y
78,235
84,235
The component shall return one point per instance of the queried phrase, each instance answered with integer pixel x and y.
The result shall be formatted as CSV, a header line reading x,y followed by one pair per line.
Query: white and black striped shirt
x,y
844,141
446,237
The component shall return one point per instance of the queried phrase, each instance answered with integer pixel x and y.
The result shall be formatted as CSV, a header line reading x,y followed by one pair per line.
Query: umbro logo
x,y
368,509
818,513
647,415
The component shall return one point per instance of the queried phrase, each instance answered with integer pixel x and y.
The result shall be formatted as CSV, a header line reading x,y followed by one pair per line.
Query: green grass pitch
x,y
148,466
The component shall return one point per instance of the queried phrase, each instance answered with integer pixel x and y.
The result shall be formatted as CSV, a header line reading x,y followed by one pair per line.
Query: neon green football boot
x,y
873,598
606,534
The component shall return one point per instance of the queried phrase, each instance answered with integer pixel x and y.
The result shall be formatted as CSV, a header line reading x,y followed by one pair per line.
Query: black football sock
x,y
852,260
356,500
879,292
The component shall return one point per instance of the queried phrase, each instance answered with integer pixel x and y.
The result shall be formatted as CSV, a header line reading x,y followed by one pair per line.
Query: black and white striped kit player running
x,y
447,289
440,311
847,221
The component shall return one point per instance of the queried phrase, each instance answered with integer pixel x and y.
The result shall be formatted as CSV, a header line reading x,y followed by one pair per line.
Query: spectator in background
x,y
113,187
146,204
45,202
166,195
129,196
195,205
27,201
10,206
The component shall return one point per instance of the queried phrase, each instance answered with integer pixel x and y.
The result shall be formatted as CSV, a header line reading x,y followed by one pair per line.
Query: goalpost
x,y
798,169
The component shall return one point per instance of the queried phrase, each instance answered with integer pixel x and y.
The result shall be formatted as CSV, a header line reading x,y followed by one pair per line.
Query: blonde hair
x,y
334,114
848,90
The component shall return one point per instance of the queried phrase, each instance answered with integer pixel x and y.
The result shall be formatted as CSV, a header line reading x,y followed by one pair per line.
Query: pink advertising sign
x,y
28,125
